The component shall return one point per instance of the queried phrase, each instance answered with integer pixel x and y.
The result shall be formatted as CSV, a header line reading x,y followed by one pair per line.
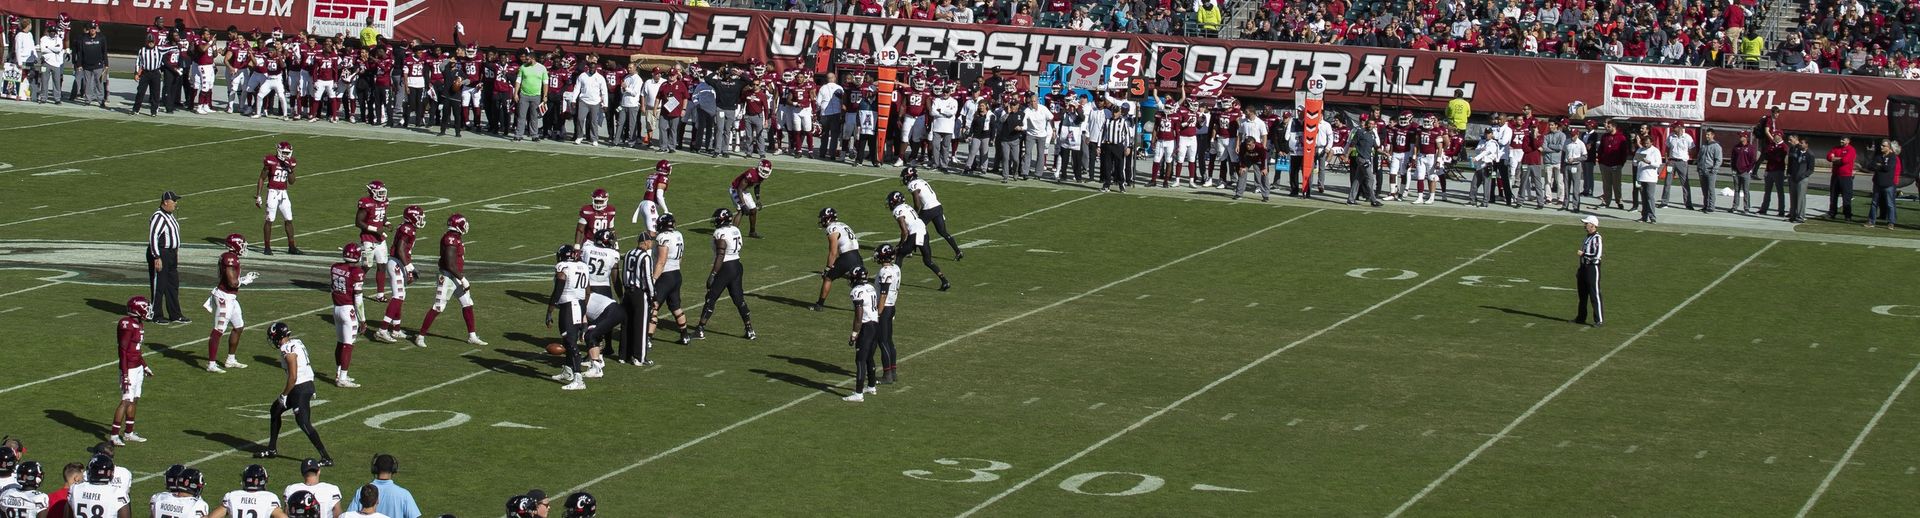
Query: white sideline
x,y
241,186
1844,459
1243,369
936,347
136,153
42,124
1524,416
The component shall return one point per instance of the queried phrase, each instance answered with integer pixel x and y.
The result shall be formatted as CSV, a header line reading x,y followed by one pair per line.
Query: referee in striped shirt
x,y
148,72
1116,138
163,261
637,276
1589,276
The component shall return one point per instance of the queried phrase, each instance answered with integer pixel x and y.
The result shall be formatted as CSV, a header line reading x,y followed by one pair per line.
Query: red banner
x,y
1354,75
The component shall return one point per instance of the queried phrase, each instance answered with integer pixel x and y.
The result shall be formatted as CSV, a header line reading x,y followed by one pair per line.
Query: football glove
x,y
248,278
257,203
464,284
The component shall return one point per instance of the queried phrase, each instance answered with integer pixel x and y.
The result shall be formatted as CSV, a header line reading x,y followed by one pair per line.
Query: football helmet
x,y
759,67
414,215
99,469
457,223
919,83
521,506
581,505
377,190
191,481
275,333
827,215
350,252
138,306
908,174
663,167
302,504
1427,122
566,253
787,76
172,477
766,168
599,199
254,477
858,275
663,223
1406,117
7,460
883,253
237,244
606,238
29,475
722,217
286,150
895,198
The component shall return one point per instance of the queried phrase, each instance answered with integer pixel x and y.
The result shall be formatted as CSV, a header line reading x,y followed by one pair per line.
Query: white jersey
x,y
573,280
848,242
90,500
671,247
327,494
923,193
304,373
250,504
21,502
889,281
863,301
123,481
914,225
168,505
600,262
729,239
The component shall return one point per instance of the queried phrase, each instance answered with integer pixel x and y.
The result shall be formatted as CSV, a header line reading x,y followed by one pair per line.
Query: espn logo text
x,y
1656,89
352,10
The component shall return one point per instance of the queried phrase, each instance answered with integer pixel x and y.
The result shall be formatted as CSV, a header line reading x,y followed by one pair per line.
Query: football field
x,y
1143,354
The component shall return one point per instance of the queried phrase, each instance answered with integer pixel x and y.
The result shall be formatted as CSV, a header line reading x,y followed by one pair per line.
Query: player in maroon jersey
x,y
344,288
224,303
654,202
1226,124
399,270
473,80
1186,121
915,101
370,217
1163,128
380,64
326,91
453,281
132,332
203,58
1426,148
745,191
595,216
239,58
276,175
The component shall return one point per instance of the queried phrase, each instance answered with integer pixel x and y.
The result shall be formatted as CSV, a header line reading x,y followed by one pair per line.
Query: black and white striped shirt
x,y
638,268
150,59
1119,128
1591,249
163,233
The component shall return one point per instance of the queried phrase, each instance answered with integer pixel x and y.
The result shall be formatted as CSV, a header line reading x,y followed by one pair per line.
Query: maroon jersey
x,y
258,63
1187,121
373,213
747,179
677,91
1400,138
239,54
503,77
916,102
132,333
229,260
1164,126
346,283
280,172
656,184
296,55
1340,136
203,53
470,69
559,80
1427,140
325,67
596,220
1226,123
401,248
756,103
382,69
416,67
457,260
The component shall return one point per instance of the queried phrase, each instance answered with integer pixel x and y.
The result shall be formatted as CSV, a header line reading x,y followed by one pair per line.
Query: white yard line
x,y
1237,372
810,395
1844,459
136,153
1528,414
24,290
228,188
495,198
154,352
42,124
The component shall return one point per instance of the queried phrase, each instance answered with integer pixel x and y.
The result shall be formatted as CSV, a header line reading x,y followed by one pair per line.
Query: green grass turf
x,y
1044,384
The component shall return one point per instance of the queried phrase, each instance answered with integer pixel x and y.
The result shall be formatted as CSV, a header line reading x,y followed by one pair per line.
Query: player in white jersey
x,y
21,496
570,297
668,247
865,335
887,282
843,253
913,235
725,275
327,494
97,496
252,500
602,256
182,497
296,396
928,204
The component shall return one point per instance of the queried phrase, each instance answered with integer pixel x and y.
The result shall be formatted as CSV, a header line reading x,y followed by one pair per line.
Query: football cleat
x,y
566,373
872,390
750,334
345,383
594,372
213,366
116,441
700,332
294,250
133,437
382,336
578,383
420,340
855,398
474,338
234,363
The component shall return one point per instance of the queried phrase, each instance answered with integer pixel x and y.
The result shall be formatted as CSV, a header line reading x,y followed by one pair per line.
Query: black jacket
x,y
90,52
1886,169
1799,164
1009,126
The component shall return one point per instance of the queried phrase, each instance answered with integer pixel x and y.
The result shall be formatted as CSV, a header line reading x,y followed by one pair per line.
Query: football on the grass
x,y
556,349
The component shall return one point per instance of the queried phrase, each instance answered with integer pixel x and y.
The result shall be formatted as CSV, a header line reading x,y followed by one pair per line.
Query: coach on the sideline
x,y
163,261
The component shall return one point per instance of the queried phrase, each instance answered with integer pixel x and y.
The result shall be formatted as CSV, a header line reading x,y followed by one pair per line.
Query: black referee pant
x,y
1589,280
152,82
635,339
164,285
1113,157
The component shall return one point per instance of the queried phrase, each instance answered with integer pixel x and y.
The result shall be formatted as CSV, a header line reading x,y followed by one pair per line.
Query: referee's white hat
x,y
1591,220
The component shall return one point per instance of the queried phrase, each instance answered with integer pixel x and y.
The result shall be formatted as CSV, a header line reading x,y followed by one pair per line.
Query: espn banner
x,y
1257,69
1650,92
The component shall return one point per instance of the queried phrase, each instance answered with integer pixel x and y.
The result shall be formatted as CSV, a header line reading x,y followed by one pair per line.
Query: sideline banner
x,y
1395,78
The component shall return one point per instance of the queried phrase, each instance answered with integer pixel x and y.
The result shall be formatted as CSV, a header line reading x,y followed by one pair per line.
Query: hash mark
x,y
1142,296
1910,470
39,207
715,373
902,389
1359,428
1195,301
966,395
1529,325
1700,455
929,279
66,315
1563,444
1293,422
1035,288
1029,401
1756,340
470,352
1417,317
9,310
1697,337
981,284
1816,345
133,214
1428,433
1305,309
1226,417
1474,321
771,266
1252,304
1873,349
1585,329
1634,448
517,247
224,223
1096,406
1729,237
1770,459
